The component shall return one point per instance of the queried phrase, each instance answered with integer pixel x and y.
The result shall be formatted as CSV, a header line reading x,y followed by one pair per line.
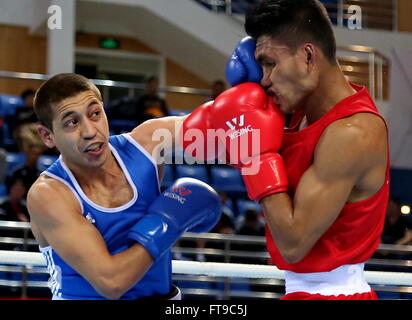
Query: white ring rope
x,y
218,269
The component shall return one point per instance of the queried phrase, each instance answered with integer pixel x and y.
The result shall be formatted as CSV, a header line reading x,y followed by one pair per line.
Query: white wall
x,y
183,30
400,111
16,12
382,40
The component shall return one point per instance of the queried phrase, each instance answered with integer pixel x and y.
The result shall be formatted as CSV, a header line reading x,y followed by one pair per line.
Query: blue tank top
x,y
113,224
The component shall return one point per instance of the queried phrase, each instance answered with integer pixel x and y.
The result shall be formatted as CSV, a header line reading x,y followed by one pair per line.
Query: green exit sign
x,y
109,43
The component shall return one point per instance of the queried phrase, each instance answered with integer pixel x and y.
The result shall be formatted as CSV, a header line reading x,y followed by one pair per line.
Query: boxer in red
x,y
323,182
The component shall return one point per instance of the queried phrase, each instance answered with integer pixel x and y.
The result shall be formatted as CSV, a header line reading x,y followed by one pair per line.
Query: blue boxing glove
x,y
188,205
242,65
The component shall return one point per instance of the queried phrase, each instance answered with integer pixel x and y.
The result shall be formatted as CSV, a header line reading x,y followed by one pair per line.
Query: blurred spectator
x,y
29,172
123,109
226,223
24,125
252,225
224,226
398,228
3,165
150,105
28,97
14,207
23,115
218,87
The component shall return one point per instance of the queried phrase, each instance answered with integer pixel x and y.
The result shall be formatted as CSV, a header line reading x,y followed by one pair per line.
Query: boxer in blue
x,y
97,212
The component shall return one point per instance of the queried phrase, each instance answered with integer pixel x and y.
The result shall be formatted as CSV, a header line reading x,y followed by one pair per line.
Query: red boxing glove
x,y
197,136
254,130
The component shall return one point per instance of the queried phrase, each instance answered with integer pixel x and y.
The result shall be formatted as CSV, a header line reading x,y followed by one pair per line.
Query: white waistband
x,y
347,280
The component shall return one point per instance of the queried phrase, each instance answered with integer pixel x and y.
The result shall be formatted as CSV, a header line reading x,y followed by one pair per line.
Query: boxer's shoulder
x,y
362,120
47,194
362,129
356,143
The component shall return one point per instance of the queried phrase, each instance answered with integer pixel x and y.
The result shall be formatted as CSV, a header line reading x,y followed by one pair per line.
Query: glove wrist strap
x,y
265,175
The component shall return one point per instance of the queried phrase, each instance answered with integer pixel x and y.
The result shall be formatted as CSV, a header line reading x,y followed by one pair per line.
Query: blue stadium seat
x,y
45,161
227,179
174,112
388,295
3,191
8,140
38,277
9,103
15,160
168,177
233,285
118,126
239,286
193,171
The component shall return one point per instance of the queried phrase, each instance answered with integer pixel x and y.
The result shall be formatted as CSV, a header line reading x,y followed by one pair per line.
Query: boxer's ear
x,y
309,51
46,135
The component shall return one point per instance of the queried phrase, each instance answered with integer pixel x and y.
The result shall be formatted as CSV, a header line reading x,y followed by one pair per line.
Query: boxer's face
x,y
80,131
286,73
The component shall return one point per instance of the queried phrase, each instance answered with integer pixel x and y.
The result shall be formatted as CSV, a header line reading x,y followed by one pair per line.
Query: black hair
x,y
293,22
55,90
27,93
251,215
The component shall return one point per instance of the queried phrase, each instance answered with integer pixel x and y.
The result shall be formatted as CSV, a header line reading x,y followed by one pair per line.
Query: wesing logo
x,y
232,124
178,193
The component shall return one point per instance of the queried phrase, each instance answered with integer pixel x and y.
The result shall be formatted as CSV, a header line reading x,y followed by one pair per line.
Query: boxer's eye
x,y
95,114
267,64
70,123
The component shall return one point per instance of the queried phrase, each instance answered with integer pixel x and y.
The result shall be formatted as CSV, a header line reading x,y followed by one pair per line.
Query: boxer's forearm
x,y
297,224
287,232
121,272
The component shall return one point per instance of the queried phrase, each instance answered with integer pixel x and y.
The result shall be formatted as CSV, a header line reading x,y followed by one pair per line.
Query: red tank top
x,y
355,234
